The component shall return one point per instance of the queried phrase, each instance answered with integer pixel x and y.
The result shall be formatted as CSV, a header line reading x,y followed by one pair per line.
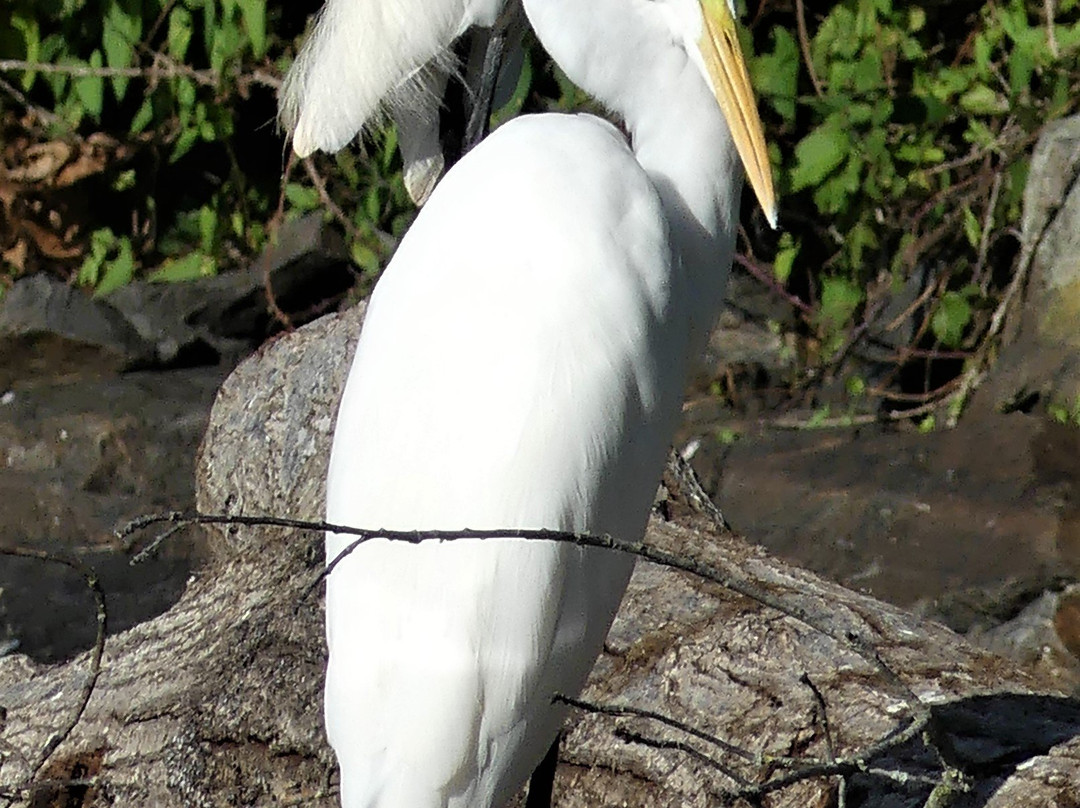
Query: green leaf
x,y
373,204
90,90
181,28
184,143
227,41
365,258
856,386
192,266
867,74
776,73
120,32
102,241
208,220
253,15
981,100
819,154
28,27
840,297
951,319
124,181
786,254
119,271
143,117
972,229
301,197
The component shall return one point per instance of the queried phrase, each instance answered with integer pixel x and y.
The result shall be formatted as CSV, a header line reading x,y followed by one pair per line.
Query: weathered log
x,y
218,701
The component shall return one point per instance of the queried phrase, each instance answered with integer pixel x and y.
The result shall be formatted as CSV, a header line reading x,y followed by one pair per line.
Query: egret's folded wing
x,y
359,52
363,53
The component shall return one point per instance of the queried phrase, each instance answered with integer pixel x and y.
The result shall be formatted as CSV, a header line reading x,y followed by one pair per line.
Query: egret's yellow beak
x,y
723,59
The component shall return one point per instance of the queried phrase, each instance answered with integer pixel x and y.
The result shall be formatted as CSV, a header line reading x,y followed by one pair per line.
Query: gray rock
x,y
268,443
48,327
1044,352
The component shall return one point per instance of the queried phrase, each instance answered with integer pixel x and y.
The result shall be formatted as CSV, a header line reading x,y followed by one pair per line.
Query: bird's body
x,y
484,395
521,366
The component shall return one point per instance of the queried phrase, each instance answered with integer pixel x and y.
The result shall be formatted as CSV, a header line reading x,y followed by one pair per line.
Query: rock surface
x,y
1043,356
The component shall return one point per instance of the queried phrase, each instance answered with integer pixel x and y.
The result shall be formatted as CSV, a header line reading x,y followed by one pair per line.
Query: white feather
x,y
366,54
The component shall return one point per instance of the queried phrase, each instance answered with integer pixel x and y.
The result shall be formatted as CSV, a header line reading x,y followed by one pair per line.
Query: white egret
x,y
364,55
521,366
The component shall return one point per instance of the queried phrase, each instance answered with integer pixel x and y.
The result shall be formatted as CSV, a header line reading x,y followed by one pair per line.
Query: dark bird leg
x,y
542,782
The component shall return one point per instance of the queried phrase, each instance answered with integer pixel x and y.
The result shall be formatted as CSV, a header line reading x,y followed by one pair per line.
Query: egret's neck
x,y
684,145
623,54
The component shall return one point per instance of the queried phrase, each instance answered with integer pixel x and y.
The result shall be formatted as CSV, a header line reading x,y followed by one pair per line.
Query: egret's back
x,y
509,375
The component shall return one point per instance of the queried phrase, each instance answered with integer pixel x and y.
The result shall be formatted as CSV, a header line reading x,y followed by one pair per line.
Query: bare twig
x,y
162,68
45,115
984,237
627,711
804,46
90,576
770,281
686,749
730,576
975,371
388,242
1051,36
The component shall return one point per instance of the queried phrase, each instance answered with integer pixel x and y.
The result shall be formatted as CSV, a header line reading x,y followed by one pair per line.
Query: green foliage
x,y
1066,413
900,135
166,81
907,129
109,263
953,315
840,299
186,90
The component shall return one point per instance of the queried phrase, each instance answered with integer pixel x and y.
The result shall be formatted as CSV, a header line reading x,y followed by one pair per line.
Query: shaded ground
x,y
905,516
80,456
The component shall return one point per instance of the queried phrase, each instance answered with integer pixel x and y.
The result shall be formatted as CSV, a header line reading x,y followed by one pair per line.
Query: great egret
x,y
364,55
521,366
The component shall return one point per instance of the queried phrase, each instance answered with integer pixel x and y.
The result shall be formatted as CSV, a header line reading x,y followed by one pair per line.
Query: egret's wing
x,y
364,53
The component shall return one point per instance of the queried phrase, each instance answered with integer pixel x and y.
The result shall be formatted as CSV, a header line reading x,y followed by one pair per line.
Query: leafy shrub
x,y
902,133
179,98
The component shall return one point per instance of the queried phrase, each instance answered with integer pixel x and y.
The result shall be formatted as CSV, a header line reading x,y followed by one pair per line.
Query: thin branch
x,y
681,746
90,576
984,237
770,281
804,47
45,115
1051,36
162,68
730,578
626,711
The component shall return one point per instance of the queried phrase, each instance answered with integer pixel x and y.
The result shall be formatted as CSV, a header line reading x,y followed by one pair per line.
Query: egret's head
x,y
708,33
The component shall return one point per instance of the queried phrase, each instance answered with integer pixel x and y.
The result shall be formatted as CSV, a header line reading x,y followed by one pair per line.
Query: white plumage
x,y
364,54
368,56
521,366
